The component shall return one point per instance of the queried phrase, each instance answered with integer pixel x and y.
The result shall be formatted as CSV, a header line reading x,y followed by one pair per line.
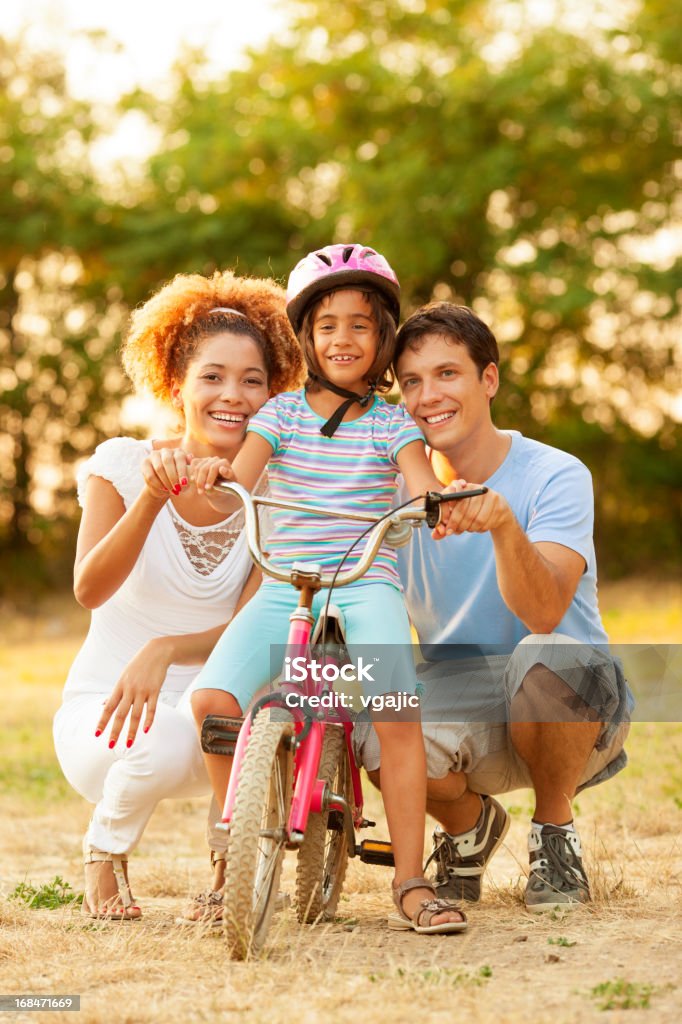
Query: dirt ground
x,y
507,967
619,959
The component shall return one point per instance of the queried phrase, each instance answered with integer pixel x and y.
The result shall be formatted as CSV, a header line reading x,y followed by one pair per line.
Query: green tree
x,y
527,171
56,370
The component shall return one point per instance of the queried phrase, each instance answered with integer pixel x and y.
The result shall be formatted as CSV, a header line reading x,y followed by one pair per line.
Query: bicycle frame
x,y
309,792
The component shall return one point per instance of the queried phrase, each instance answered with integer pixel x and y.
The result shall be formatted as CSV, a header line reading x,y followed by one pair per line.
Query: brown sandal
x,y
207,907
426,911
119,907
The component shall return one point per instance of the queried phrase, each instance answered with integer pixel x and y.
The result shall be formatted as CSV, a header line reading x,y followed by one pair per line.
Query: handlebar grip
x,y
434,499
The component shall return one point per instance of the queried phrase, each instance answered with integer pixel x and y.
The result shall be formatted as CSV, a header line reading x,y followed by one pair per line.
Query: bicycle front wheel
x,y
258,835
323,856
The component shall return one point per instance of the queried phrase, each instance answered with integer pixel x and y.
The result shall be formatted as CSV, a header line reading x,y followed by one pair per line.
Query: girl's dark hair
x,y
381,371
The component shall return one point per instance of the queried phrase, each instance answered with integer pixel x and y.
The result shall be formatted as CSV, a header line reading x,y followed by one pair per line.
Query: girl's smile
x,y
345,336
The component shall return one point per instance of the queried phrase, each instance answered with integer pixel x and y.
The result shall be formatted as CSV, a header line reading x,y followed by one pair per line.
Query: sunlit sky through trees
x,y
518,156
143,36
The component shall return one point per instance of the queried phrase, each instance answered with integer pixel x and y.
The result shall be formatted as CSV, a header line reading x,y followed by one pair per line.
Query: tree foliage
x,y
56,329
529,171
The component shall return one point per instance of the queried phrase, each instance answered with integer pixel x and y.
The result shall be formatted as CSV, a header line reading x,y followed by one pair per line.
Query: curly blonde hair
x,y
165,331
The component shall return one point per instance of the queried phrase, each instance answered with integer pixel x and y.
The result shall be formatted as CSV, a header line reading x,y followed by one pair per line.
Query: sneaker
x,y
557,879
461,860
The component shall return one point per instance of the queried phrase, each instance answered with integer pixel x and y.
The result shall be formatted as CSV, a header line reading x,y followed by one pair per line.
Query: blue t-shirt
x,y
451,585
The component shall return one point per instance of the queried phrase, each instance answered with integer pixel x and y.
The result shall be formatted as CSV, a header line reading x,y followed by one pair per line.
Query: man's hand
x,y
471,515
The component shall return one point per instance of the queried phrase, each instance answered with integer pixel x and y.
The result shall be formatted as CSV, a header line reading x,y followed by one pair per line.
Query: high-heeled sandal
x,y
121,906
426,911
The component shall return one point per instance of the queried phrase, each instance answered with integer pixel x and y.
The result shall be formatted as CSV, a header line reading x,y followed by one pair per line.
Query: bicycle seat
x,y
331,632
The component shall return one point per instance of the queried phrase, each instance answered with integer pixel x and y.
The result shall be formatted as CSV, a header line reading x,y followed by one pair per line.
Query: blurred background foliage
x,y
529,171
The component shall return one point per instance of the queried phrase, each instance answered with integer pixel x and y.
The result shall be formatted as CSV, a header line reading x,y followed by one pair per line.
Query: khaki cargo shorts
x,y
465,708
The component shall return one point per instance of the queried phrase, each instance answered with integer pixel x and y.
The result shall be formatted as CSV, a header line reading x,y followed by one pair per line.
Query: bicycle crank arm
x,y
337,803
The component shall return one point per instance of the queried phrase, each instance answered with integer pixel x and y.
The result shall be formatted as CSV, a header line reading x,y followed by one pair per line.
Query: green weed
x,y
561,940
49,896
620,994
437,977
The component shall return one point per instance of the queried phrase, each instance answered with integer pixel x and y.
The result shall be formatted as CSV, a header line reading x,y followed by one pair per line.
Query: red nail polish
x,y
129,743
184,481
146,729
112,744
176,489
98,732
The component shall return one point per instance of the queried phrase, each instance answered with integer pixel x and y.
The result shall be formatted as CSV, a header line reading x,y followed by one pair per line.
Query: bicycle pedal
x,y
375,851
219,734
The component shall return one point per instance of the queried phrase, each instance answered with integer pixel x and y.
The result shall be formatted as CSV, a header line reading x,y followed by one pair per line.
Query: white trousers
x,y
126,784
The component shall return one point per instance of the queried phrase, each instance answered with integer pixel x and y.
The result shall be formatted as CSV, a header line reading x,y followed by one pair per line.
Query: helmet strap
x,y
330,427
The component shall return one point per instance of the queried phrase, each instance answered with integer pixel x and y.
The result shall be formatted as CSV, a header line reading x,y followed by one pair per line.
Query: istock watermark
x,y
451,684
331,701
298,670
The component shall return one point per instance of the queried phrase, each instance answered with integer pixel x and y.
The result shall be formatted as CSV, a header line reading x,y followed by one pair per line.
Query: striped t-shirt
x,y
354,470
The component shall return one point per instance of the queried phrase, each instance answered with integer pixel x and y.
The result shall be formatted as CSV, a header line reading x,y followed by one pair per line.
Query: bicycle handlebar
x,y
414,516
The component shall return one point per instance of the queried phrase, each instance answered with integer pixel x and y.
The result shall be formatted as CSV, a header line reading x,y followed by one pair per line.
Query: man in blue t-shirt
x,y
519,687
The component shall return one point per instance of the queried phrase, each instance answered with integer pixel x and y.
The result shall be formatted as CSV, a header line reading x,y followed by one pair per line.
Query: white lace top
x,y
187,579
207,546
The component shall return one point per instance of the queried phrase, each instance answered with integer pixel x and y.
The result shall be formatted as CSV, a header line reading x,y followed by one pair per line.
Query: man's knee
x,y
543,696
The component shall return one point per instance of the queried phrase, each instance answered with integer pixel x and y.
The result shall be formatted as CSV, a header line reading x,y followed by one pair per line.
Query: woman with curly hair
x,y
161,570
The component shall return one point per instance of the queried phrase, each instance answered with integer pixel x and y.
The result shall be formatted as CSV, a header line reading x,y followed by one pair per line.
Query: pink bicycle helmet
x,y
339,266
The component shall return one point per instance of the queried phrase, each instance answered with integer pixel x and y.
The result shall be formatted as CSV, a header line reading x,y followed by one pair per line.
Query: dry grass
x,y
505,968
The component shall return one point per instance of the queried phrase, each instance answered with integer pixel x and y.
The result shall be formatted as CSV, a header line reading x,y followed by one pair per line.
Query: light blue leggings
x,y
377,630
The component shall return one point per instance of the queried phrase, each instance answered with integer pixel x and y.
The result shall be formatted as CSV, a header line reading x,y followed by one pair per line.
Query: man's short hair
x,y
457,324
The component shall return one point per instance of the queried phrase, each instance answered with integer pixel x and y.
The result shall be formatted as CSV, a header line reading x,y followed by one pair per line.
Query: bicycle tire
x,y
254,861
323,855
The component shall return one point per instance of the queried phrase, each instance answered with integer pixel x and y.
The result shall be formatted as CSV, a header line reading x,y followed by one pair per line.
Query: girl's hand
x,y
166,471
138,687
205,472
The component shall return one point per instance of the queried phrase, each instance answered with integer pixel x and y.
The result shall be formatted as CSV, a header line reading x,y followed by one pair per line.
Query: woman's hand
x,y
166,471
138,687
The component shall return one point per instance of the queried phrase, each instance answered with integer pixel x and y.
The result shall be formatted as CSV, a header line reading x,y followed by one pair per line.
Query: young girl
x,y
335,443
153,558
